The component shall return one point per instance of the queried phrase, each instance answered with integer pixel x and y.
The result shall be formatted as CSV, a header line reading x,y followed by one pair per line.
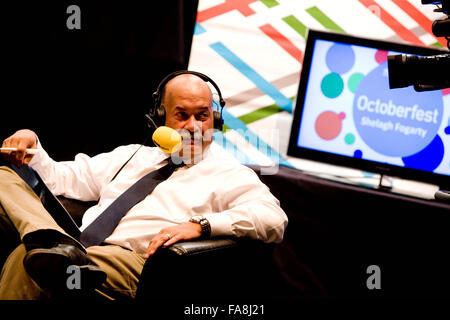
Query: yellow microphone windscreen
x,y
167,139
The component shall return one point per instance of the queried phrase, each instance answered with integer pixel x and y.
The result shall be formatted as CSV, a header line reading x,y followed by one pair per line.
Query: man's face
x,y
188,104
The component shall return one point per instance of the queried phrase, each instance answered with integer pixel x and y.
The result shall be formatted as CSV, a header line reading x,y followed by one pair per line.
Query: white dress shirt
x,y
227,193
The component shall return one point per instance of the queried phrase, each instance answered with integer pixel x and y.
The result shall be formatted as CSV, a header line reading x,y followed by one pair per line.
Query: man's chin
x,y
192,153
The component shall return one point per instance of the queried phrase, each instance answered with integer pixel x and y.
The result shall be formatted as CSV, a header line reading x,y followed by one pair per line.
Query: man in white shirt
x,y
227,196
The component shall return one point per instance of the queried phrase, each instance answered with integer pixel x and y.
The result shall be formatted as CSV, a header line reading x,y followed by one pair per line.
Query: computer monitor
x,y
346,114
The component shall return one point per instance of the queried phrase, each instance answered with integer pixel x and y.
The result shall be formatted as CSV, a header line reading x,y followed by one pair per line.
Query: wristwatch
x,y
204,223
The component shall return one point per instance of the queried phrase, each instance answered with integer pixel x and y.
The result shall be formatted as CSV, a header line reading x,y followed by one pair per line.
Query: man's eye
x,y
204,115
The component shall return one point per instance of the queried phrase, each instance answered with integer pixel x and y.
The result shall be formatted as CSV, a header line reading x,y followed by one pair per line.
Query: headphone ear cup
x,y
160,116
218,121
155,97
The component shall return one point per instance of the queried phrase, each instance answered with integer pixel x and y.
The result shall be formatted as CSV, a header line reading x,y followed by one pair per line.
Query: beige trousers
x,y
24,209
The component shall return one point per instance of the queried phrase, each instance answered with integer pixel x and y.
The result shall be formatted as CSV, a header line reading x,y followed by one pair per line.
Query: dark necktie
x,y
108,220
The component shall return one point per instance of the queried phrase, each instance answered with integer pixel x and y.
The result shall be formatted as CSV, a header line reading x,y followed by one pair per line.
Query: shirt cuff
x,y
38,156
220,224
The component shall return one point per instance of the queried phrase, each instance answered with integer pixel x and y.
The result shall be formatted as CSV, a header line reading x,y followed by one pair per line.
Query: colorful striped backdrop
x,y
254,50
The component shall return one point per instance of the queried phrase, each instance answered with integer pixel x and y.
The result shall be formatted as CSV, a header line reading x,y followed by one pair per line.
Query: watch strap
x,y
204,224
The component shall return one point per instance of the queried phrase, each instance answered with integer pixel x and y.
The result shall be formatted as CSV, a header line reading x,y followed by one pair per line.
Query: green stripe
x,y
323,19
256,115
270,3
295,24
437,44
260,114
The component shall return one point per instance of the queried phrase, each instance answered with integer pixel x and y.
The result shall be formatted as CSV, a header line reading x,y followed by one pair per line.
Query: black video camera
x,y
428,72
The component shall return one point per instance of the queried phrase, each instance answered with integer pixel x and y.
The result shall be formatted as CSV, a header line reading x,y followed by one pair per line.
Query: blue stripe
x,y
198,29
281,100
240,127
230,147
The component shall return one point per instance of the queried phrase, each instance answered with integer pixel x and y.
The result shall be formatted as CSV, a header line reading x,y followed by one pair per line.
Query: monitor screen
x,y
347,115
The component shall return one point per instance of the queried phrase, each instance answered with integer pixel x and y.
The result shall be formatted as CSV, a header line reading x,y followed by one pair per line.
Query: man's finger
x,y
10,156
5,143
155,244
19,156
27,159
172,240
21,151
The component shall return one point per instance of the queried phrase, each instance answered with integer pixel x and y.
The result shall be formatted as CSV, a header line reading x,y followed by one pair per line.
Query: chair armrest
x,y
210,268
188,248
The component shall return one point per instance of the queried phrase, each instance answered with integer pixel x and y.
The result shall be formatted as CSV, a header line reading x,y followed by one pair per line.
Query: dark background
x,y
88,90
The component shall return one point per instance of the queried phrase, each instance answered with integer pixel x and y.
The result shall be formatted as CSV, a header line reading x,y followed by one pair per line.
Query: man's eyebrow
x,y
178,108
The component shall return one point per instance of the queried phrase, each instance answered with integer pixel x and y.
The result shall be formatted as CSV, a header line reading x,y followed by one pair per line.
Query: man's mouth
x,y
192,138
195,141
188,140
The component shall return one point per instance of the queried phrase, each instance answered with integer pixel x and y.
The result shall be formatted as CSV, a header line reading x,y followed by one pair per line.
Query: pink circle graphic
x,y
328,124
381,56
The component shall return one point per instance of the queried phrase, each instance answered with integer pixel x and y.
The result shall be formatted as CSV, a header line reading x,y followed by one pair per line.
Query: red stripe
x,y
446,91
229,5
282,41
392,23
421,19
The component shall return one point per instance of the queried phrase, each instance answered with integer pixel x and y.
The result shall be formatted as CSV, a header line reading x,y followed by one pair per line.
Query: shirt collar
x,y
162,155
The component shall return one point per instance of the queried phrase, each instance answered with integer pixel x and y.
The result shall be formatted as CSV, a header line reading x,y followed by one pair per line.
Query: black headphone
x,y
157,113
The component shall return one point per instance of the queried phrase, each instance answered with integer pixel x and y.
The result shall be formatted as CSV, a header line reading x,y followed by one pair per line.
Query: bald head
x,y
185,85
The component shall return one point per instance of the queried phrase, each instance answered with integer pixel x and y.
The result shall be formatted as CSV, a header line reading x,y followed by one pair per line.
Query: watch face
x,y
197,219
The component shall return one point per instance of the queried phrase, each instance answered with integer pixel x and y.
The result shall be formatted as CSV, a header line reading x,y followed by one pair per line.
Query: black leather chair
x,y
214,269
208,269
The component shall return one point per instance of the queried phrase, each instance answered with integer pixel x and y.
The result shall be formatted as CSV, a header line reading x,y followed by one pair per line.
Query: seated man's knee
x,y
8,178
6,174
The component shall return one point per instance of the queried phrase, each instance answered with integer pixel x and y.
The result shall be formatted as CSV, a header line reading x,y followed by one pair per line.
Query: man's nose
x,y
192,124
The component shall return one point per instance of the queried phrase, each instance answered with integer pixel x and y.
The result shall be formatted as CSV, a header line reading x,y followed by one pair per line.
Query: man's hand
x,y
171,235
21,140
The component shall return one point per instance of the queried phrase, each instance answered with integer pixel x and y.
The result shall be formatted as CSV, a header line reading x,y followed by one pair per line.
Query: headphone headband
x,y
158,112
204,77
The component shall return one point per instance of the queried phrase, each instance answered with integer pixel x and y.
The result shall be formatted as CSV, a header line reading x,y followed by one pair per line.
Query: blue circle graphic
x,y
340,58
357,154
427,159
397,122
